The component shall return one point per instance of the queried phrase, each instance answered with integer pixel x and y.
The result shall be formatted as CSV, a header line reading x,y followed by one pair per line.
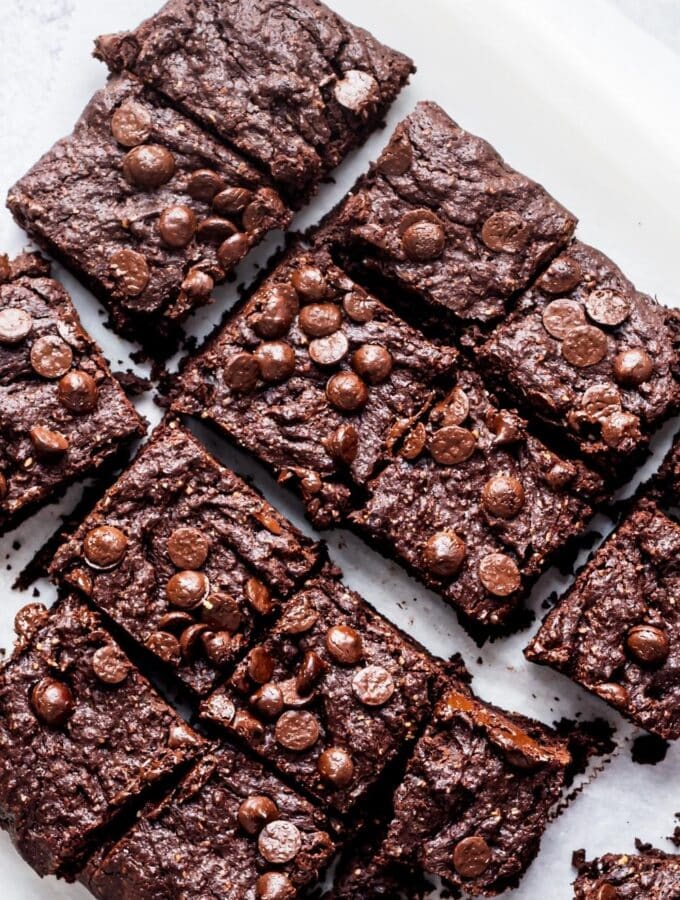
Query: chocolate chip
x,y
499,574
471,856
344,644
52,702
263,210
397,157
292,698
275,886
104,546
329,351
648,645
633,367
505,231
30,619
165,646
452,445
279,842
615,694
619,428
78,392
241,372
373,685
343,444
414,442
607,307
503,496
347,392
311,483
300,616
277,308
204,184
5,268
443,553
198,284
218,647
177,226
373,362
260,665
175,621
259,597
358,306
231,200
15,325
268,700
600,401
4,486
232,250
51,357
607,892
335,766
356,91
48,443
187,589
561,276
507,427
560,474
424,241
148,166
131,271
255,812
560,317
215,230
276,361
453,409
297,730
249,729
310,283
310,670
131,124
188,639
320,319
180,736
188,547
221,612
584,345
110,664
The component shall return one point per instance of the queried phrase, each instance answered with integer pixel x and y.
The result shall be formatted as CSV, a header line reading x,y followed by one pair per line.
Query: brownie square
x,y
477,796
146,208
228,830
649,875
474,505
62,413
291,84
615,631
332,696
317,378
444,218
590,356
83,736
184,556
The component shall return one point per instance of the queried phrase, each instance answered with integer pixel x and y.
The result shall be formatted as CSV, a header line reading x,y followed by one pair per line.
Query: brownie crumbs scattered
x,y
648,750
133,385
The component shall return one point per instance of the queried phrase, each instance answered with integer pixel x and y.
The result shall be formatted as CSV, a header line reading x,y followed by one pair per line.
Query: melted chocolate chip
x,y
218,647
320,319
30,619
204,184
373,685
188,547
648,644
198,284
310,283
241,372
231,200
15,325
343,444
633,367
561,276
414,442
309,672
453,409
444,553
300,616
600,401
297,730
373,362
358,306
263,210
187,589
424,240
215,230
275,886
259,596
335,766
48,443
584,345
397,157
329,351
78,392
177,226
503,496
471,856
505,231
232,250
255,812
499,574
51,357
276,361
165,646
619,428
221,612
278,306
560,317
189,638
452,445
131,124
131,271
110,664
347,392
615,694
104,546
148,166
260,665
607,307
268,700
52,702
344,644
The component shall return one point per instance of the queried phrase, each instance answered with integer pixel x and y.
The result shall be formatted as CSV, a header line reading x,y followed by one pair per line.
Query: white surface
x,y
576,95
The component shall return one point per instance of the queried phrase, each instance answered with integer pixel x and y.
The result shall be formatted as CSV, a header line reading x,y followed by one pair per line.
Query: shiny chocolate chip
x,y
189,639
507,427
358,306
148,166
424,240
561,276
104,546
268,700
499,574
453,409
606,307
232,250
259,596
414,442
309,672
620,428
175,621
52,702
78,392
241,372
584,345
15,325
444,553
336,767
397,157
165,646
373,685
648,644
255,812
505,231
347,392
344,644
275,886
198,284
110,664
279,842
277,307
310,283
48,443
218,647
177,226
231,200
276,361
329,351
263,211
343,444
600,401
131,272
560,317
187,589
615,694
30,619
131,124
320,319
260,665
503,496
215,230
633,367
188,547
373,362
297,730
299,617
221,612
51,357
452,445
471,856
204,184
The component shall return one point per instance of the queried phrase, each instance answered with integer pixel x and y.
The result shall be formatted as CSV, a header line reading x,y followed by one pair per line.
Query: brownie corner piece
x,y
614,631
315,85
590,356
649,874
62,412
229,829
443,218
185,557
83,736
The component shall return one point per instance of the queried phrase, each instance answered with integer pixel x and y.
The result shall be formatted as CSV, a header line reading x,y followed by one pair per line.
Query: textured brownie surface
x,y
332,696
474,505
316,377
291,84
443,216
650,875
146,207
186,557
82,735
589,354
477,795
616,630
61,411
229,830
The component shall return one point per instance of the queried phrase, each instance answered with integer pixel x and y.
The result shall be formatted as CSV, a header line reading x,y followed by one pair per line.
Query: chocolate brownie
x,y
442,216
332,695
615,631
144,206
474,505
477,795
229,830
185,557
291,84
590,356
649,875
316,377
82,735
62,413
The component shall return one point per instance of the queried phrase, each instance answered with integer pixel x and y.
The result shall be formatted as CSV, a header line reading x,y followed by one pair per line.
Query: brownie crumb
x,y
648,750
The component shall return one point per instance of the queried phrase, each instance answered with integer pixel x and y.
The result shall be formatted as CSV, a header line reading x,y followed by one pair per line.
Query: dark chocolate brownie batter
x,y
474,505
650,875
186,557
82,735
229,830
477,795
62,413
615,632
332,696
291,84
146,208
317,378
447,220
588,354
